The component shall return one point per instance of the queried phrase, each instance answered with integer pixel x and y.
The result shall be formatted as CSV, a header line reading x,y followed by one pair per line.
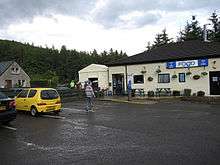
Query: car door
x,y
20,100
31,98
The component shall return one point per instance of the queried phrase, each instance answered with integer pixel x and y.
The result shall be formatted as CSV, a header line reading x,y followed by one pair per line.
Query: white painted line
x,y
54,117
7,127
74,109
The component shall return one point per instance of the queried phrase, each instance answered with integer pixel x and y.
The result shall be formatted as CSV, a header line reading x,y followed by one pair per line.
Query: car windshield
x,y
49,94
2,96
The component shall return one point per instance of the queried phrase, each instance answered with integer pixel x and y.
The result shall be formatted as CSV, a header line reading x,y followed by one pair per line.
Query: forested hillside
x,y
50,63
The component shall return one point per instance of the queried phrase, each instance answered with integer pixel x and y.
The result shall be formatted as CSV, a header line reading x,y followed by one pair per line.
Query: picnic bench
x,y
163,92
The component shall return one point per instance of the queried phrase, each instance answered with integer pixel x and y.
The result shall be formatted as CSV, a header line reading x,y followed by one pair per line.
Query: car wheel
x,y
33,111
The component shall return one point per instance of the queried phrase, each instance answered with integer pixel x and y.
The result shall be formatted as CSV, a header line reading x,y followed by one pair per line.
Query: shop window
x,y
138,79
163,78
182,77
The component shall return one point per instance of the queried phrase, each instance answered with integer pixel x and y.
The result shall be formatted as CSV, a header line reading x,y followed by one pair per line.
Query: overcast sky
x,y
98,24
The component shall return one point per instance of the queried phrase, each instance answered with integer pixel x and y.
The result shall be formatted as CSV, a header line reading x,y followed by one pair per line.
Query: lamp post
x,y
205,32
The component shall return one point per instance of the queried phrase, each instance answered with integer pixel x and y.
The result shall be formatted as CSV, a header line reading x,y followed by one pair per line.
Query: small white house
x,y
12,75
97,74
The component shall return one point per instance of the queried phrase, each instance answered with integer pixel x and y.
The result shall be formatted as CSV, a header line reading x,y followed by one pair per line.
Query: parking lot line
x,y
8,127
54,117
74,109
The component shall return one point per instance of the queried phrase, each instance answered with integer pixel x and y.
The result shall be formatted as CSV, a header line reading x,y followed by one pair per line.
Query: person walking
x,y
89,96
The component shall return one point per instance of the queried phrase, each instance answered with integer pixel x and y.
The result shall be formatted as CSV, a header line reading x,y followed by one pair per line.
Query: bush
x,y
176,93
187,92
200,93
150,93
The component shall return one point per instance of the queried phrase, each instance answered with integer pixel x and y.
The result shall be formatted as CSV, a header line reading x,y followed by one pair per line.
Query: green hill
x,y
44,63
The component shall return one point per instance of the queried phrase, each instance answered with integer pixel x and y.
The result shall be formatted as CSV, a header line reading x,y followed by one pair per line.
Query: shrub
x,y
187,92
176,93
150,93
200,93
174,76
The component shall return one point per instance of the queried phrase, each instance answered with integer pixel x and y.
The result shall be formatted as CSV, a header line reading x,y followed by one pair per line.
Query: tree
x,y
192,31
160,39
215,32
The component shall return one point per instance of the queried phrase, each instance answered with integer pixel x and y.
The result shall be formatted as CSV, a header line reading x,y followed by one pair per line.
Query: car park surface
x,y
117,133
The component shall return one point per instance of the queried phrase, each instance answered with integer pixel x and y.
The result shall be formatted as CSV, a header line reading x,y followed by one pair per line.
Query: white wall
x,y
101,75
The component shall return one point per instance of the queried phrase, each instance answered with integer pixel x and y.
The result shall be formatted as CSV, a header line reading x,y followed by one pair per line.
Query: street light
x,y
205,32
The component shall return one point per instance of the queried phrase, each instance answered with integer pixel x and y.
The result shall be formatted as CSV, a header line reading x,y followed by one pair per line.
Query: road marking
x,y
8,127
54,117
74,109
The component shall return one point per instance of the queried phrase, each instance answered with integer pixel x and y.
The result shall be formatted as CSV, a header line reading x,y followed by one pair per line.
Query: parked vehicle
x,y
7,109
66,91
11,92
38,100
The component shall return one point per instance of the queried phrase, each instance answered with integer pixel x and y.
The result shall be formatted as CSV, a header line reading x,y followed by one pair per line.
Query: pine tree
x,y
161,39
192,31
215,32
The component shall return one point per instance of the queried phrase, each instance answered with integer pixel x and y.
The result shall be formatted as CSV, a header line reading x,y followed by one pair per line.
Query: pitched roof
x,y
4,66
94,68
173,51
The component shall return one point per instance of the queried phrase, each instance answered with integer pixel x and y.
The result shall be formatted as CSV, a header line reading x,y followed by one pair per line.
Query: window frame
x,y
163,74
142,82
184,77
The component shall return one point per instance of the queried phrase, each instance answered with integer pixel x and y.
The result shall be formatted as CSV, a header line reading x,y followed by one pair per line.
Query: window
x,y
23,94
138,79
182,77
49,94
32,93
163,78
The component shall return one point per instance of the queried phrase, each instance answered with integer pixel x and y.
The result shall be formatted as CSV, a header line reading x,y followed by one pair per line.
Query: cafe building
x,y
193,65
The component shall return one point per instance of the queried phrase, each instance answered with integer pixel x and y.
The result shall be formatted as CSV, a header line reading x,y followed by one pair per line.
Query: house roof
x,y
94,68
4,66
174,51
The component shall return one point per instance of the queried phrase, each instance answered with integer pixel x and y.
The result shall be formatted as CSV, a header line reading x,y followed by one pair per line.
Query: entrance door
x,y
95,84
214,78
118,84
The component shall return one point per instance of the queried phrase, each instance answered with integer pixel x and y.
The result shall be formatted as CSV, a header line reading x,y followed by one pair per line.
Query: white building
x,y
191,65
12,75
97,74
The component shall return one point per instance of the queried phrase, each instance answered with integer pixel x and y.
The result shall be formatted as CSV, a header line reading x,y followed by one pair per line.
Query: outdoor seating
x,y
163,92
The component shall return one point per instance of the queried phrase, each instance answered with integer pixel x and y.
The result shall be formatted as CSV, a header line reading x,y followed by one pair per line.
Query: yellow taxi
x,y
38,100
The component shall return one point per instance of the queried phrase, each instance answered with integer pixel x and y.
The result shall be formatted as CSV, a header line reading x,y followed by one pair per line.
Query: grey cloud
x,y
110,13
12,11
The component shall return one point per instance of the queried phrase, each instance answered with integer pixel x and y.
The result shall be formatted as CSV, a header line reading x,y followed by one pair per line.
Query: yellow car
x,y
38,100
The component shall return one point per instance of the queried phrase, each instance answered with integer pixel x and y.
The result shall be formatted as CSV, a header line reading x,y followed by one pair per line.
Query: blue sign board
x,y
187,64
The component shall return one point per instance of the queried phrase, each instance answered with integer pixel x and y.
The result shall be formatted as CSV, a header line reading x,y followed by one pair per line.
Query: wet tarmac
x,y
116,133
